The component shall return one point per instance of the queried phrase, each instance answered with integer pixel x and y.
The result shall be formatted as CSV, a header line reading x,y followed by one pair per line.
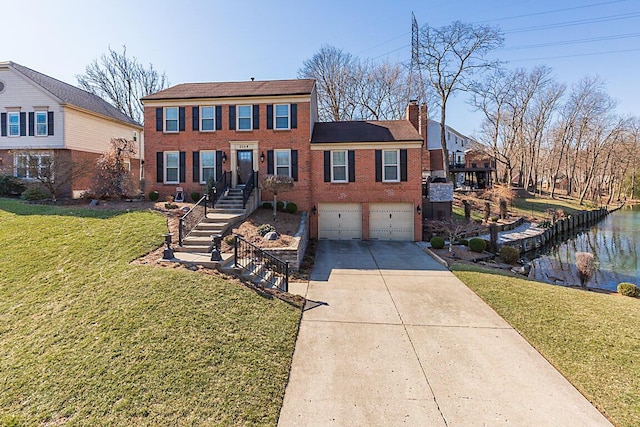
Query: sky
x,y
221,40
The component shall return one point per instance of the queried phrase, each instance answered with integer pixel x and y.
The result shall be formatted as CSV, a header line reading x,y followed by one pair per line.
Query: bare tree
x,y
453,229
111,178
277,184
121,80
451,56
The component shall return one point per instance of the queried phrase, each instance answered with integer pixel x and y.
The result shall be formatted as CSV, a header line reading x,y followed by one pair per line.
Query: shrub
x,y
265,228
291,208
509,254
437,242
229,239
280,206
171,205
195,196
494,218
34,193
628,289
463,242
586,266
9,186
154,196
477,245
267,205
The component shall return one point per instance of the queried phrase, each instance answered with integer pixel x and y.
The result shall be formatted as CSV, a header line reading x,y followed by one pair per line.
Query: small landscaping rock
x,y
272,235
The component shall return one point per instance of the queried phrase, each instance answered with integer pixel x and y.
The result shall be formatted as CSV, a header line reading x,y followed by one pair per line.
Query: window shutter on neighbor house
x,y
23,124
159,119
183,166
351,154
403,164
294,164
378,165
181,119
327,166
256,117
159,166
218,117
269,116
269,162
196,166
294,116
218,164
195,119
3,124
31,124
50,123
232,117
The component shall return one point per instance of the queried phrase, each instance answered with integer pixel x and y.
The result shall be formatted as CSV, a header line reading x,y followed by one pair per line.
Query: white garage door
x,y
391,221
339,221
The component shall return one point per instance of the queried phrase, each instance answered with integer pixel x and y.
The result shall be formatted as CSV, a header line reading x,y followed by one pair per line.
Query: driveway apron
x,y
390,337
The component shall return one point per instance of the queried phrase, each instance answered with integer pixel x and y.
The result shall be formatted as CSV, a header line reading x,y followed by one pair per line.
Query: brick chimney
x,y
424,122
413,113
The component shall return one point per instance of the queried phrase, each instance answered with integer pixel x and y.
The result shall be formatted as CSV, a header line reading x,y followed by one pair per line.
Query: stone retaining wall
x,y
294,253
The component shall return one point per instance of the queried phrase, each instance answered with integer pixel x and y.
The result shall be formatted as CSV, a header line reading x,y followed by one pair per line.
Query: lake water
x,y
615,244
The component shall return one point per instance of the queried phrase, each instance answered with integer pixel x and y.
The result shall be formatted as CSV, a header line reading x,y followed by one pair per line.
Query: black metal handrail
x,y
192,218
221,185
254,260
252,183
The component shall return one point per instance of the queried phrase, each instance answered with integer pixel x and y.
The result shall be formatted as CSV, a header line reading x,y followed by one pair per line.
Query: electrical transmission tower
x,y
416,90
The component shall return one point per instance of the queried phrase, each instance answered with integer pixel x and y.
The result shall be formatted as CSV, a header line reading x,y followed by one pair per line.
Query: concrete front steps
x,y
256,273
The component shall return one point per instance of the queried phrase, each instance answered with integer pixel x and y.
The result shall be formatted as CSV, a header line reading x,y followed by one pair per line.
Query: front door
x,y
245,166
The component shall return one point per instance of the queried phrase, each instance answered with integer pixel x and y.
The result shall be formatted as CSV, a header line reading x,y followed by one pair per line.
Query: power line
x,y
577,41
383,43
550,11
576,55
574,23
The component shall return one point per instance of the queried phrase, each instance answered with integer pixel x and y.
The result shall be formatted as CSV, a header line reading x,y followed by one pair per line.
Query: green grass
x,y
592,338
88,339
457,212
537,206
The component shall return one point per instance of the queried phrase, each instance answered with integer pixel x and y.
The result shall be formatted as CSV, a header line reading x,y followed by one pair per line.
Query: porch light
x,y
224,157
418,209
262,157
314,209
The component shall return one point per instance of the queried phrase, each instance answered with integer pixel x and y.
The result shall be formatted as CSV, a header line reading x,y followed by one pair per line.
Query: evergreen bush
x,y
509,254
195,196
628,289
437,242
34,193
477,245
291,208
154,196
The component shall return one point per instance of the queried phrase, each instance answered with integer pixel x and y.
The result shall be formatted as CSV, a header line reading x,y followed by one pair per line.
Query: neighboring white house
x,y
457,145
42,117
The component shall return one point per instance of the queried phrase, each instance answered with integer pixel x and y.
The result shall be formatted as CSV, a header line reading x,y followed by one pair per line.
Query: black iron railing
x,y
192,218
252,183
218,190
267,267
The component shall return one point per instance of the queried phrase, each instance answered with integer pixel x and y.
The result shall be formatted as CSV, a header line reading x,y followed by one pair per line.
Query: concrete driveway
x,y
389,337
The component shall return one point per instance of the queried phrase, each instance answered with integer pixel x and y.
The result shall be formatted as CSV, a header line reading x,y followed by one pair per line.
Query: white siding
x,y
90,133
21,92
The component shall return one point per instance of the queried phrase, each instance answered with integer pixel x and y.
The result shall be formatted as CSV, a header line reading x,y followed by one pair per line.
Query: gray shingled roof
x,y
235,89
72,95
365,131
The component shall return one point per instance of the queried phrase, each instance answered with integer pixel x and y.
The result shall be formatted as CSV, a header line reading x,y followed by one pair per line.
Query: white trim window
x,y
282,162
13,119
41,124
32,166
171,167
171,119
245,117
391,165
207,165
282,116
207,119
339,171
127,165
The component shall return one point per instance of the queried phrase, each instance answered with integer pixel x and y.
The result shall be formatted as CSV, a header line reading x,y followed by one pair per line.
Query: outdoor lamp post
x,y
215,252
168,252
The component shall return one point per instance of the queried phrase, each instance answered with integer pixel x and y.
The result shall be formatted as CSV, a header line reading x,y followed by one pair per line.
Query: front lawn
x,y
88,339
592,338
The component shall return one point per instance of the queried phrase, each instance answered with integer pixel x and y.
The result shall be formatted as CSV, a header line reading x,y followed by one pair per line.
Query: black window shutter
x,y
31,124
159,166
195,113
181,119
196,166
232,117
23,124
269,116
403,164
351,154
159,119
218,164
183,166
378,165
3,124
327,166
269,162
218,117
294,164
294,116
256,117
50,123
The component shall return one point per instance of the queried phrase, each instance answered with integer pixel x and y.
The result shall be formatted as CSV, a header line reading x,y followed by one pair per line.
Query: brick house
x,y
43,118
357,180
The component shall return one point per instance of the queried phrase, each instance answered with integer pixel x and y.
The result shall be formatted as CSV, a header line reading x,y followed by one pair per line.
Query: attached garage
x,y
340,221
391,221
